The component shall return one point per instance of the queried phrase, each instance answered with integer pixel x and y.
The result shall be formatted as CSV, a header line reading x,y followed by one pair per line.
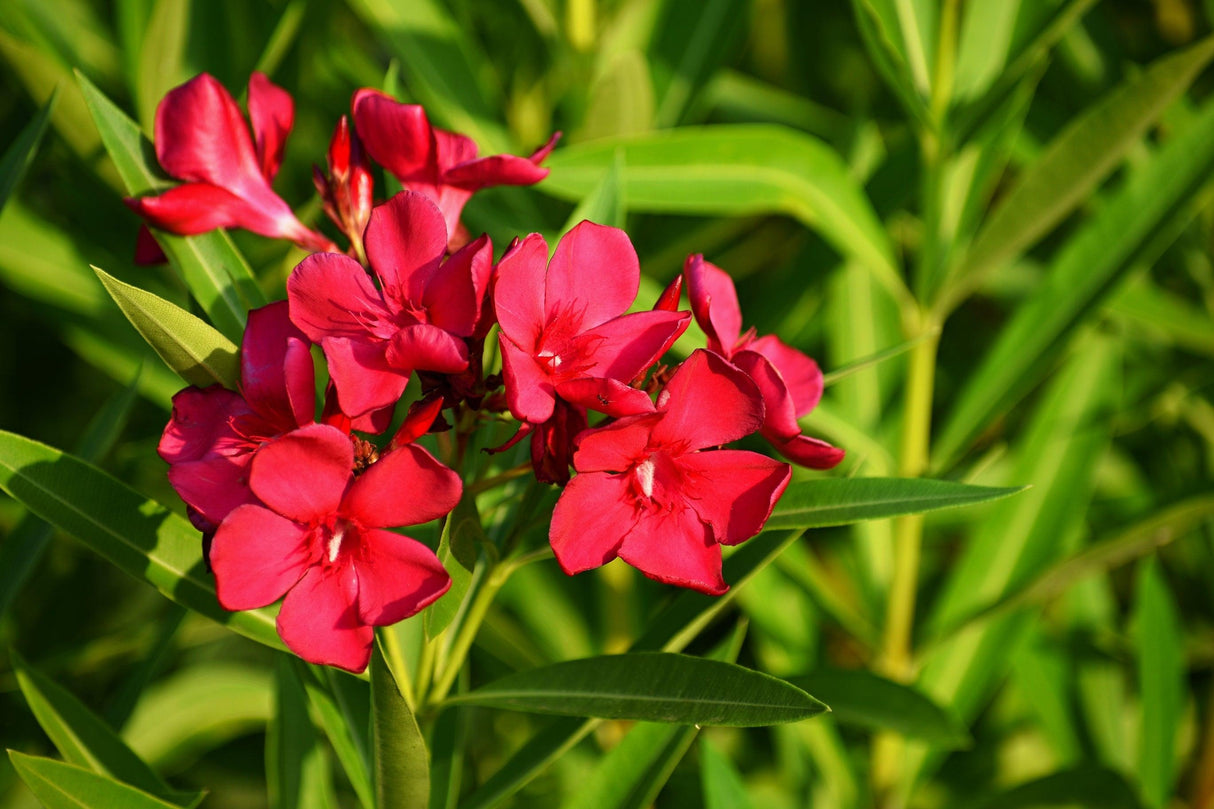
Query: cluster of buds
x,y
302,505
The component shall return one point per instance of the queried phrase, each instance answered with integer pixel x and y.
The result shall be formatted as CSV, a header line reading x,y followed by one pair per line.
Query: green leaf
x,y
297,769
1086,786
161,56
66,786
621,99
195,351
339,727
635,770
650,686
448,739
733,171
461,526
82,738
692,39
1139,220
402,769
20,153
605,204
859,697
214,270
822,503
906,74
722,784
1077,160
1161,678
138,535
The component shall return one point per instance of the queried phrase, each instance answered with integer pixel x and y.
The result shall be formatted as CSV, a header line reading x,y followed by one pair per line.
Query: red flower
x,y
646,494
346,189
320,540
790,382
440,164
418,318
210,440
201,138
563,329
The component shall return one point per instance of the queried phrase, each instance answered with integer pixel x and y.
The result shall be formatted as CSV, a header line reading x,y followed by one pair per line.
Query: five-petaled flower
x,y
419,318
440,164
646,492
791,382
201,138
320,539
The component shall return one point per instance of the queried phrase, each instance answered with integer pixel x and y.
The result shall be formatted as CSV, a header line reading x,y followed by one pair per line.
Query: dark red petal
x,y
147,249
332,296
707,402
616,447
456,293
733,490
319,619
675,547
201,424
418,421
201,136
529,391
801,374
276,372
452,149
813,453
593,276
668,301
714,301
423,347
304,474
374,422
257,556
198,208
407,486
272,113
214,486
397,136
626,346
406,239
365,381
779,412
541,154
608,396
497,170
518,290
591,519
397,577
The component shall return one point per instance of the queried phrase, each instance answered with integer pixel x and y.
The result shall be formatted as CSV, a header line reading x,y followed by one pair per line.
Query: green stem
x,y
395,658
468,623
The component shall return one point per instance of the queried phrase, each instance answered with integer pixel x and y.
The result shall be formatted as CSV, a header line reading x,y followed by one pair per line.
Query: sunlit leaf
x,y
1161,677
297,768
402,768
67,786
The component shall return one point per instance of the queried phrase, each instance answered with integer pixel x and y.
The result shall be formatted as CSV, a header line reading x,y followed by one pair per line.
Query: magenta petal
x,y
614,448
779,412
272,114
733,490
319,619
276,371
200,207
707,402
397,577
147,250
214,486
591,519
529,391
714,301
332,296
452,149
257,555
365,380
593,276
202,424
608,396
518,291
406,238
541,154
813,453
201,136
304,474
456,292
800,373
376,421
626,346
407,486
675,547
423,347
497,170
397,136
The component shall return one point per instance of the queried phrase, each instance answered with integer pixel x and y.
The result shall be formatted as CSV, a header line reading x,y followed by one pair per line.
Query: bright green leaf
x,y
1161,678
605,204
161,56
635,770
66,786
721,782
402,769
297,767
344,730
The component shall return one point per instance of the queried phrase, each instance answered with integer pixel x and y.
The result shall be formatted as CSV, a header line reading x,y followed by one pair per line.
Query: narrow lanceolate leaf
x,y
822,503
1137,222
350,748
636,769
82,738
1088,787
138,535
1078,159
297,767
195,351
737,170
653,687
1161,677
402,769
605,203
216,273
859,697
721,782
66,786
20,153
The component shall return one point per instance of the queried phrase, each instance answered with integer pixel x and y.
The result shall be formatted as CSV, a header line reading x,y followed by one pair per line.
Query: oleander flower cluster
x,y
301,497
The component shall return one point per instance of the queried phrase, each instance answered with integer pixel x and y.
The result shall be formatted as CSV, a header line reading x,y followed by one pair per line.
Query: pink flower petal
x,y
800,373
407,486
593,276
276,372
518,291
365,380
423,347
591,519
406,239
214,486
257,556
616,447
272,114
397,136
813,453
451,149
202,418
397,577
529,391
304,474
319,619
675,547
456,293
332,296
147,249
779,412
608,396
497,170
733,490
714,302
626,346
201,136
706,403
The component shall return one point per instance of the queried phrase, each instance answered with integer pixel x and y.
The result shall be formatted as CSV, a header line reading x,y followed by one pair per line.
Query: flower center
x,y
335,542
644,474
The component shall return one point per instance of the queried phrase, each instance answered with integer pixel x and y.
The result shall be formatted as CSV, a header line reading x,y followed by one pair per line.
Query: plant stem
x,y
468,624
395,659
